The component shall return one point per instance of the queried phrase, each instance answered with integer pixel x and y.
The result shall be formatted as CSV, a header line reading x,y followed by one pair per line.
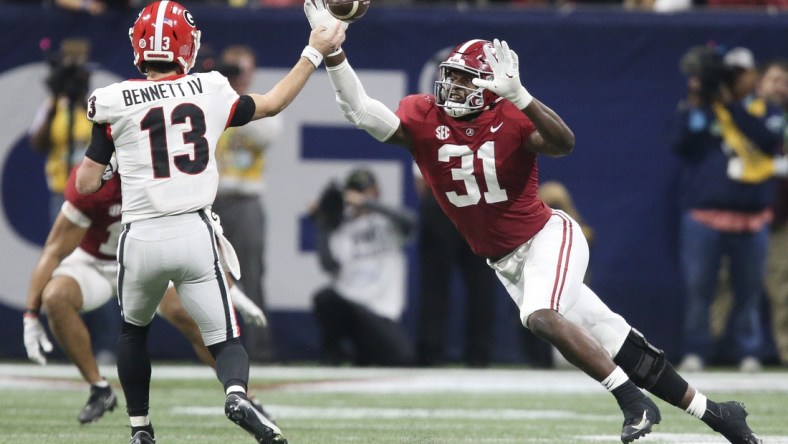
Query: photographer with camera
x,y
359,243
62,131
724,215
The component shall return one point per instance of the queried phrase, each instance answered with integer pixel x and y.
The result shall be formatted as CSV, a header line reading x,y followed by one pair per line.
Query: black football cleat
x,y
142,437
240,411
259,407
101,399
732,424
639,417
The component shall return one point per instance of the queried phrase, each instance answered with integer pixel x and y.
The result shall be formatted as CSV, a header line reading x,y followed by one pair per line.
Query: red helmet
x,y
165,32
469,58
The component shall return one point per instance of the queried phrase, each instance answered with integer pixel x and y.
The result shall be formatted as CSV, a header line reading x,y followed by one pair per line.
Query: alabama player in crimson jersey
x,y
164,130
476,142
76,274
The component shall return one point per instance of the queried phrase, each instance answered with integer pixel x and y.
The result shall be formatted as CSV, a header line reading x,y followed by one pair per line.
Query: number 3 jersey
x,y
165,133
479,172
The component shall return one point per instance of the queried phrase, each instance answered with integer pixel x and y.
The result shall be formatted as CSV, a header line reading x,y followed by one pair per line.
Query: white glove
x,y
249,310
36,340
318,15
506,75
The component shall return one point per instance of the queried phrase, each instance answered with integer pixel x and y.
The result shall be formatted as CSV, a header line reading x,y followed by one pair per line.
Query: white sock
x,y
235,389
102,383
139,421
615,379
698,405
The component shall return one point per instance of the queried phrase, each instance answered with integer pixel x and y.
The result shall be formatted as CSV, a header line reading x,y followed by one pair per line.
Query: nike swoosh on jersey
x,y
496,128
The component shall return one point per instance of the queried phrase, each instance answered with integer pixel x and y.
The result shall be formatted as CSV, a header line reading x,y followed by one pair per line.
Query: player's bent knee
x,y
543,323
61,294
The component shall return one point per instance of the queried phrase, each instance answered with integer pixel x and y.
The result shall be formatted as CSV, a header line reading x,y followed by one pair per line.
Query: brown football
x,y
347,10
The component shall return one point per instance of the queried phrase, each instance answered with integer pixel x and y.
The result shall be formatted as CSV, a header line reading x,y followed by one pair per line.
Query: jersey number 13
x,y
154,122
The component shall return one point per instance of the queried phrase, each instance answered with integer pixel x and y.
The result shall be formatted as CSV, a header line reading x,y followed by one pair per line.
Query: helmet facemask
x,y
445,88
454,91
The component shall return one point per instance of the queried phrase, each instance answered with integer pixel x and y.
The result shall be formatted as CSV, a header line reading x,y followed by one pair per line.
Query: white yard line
x,y
377,380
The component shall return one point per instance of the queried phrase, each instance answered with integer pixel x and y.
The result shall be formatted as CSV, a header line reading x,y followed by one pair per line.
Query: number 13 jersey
x,y
165,133
479,171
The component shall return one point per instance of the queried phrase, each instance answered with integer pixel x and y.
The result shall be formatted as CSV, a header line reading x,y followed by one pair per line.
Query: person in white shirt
x,y
360,245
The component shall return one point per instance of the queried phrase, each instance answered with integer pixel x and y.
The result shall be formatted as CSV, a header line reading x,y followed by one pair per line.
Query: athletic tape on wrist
x,y
313,55
522,99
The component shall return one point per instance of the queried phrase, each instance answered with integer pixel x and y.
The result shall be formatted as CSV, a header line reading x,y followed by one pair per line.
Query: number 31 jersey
x,y
479,172
165,133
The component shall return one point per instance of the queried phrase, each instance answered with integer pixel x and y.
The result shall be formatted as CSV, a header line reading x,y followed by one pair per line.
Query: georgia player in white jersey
x,y
76,273
164,131
476,142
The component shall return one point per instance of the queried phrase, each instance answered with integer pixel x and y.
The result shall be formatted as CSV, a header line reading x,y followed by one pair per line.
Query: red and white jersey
x,y
99,212
479,172
165,133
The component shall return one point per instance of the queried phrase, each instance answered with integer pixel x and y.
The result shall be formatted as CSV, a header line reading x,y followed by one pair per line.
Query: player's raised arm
x,y
322,40
553,137
356,106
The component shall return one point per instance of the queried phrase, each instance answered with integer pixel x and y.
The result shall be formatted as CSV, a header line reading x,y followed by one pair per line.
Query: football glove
x,y
249,310
36,340
505,65
318,15
109,171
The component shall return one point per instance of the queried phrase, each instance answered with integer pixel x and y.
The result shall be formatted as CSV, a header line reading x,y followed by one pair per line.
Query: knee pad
x,y
643,362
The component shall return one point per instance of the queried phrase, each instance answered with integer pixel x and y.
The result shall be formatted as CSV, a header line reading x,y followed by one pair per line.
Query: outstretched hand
x,y
318,15
327,40
505,65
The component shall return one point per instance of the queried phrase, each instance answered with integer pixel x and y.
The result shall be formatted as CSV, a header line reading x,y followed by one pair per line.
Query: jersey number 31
x,y
486,153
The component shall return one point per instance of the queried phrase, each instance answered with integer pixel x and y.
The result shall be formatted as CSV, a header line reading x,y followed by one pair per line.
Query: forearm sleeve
x,y
358,108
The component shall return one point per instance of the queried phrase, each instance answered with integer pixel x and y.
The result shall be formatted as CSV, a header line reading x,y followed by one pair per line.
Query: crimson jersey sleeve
x,y
479,171
102,208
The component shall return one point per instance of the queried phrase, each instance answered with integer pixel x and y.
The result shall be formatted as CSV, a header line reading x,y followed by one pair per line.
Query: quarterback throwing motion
x,y
476,142
163,130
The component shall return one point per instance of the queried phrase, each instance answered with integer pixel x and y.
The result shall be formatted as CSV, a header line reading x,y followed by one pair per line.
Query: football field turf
x,y
319,405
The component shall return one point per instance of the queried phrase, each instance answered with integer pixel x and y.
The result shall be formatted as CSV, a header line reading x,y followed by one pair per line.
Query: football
x,y
347,10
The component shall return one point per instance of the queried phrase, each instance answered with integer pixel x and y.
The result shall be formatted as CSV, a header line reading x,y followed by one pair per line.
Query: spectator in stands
x,y
99,7
360,245
725,212
240,157
773,87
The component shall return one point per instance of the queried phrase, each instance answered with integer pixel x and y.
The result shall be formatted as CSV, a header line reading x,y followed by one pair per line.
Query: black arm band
x,y
101,146
244,111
